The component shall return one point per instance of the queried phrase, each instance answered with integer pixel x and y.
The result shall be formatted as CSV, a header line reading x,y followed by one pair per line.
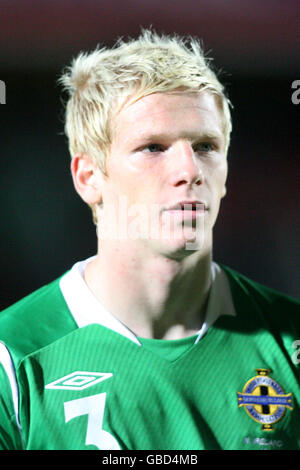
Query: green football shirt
x,y
74,377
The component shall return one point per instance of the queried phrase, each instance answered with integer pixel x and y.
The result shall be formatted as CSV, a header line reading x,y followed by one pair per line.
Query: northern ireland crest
x,y
264,400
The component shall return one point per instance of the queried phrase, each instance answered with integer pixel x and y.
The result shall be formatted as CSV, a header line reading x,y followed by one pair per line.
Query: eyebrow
x,y
193,136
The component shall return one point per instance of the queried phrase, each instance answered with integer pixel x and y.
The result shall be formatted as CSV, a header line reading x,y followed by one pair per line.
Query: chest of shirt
x,y
95,389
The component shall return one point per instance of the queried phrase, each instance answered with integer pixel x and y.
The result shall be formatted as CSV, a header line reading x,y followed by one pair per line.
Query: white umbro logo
x,y
78,380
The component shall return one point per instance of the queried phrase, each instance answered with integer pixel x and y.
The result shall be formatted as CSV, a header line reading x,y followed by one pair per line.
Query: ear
x,y
86,178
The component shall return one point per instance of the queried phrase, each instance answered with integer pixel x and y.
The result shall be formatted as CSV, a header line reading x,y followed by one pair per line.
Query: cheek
x,y
222,177
129,185
223,168
217,175
137,174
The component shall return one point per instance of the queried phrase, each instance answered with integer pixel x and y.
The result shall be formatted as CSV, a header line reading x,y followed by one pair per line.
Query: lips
x,y
187,205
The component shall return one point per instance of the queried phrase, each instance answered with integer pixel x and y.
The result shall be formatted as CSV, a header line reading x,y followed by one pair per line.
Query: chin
x,y
179,248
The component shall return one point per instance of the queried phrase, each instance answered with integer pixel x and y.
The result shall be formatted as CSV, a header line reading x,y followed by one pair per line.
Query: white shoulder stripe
x,y
7,363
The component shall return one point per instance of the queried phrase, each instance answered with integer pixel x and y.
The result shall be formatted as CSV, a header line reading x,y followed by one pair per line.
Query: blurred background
x,y
45,227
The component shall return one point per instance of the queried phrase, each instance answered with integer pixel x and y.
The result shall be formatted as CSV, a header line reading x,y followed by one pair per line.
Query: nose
x,y
185,168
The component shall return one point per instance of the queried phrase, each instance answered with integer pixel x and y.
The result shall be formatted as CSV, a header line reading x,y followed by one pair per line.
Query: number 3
x,y
92,406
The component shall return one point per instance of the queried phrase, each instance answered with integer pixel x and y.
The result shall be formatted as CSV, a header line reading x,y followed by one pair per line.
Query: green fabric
x,y
169,349
162,395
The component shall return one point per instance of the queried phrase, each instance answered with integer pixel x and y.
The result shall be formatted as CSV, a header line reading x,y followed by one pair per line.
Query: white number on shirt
x,y
92,406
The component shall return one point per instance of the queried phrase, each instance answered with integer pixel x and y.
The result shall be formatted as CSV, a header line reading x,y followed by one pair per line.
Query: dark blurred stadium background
x,y
46,227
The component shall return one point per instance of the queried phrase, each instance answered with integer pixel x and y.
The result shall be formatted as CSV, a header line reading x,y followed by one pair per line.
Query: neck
x,y
154,296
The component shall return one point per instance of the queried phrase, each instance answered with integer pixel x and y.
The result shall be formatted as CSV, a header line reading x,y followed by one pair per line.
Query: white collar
x,y
87,310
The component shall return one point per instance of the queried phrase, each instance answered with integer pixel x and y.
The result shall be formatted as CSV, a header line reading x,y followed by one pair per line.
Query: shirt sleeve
x,y
10,432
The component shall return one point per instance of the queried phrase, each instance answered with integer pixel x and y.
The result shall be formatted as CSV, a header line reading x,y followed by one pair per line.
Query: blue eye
x,y
205,147
152,148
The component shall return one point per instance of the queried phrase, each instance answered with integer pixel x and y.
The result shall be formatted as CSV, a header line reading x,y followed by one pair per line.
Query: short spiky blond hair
x,y
101,82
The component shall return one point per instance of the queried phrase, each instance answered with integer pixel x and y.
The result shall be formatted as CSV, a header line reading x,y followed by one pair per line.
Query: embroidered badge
x,y
264,399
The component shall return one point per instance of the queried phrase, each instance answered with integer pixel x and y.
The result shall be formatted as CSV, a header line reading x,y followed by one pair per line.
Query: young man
x,y
150,344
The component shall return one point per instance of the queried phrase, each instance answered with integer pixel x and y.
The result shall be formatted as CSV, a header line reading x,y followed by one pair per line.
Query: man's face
x,y
166,149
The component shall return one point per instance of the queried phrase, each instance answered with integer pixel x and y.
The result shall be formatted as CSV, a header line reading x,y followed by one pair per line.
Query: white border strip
x,y
7,363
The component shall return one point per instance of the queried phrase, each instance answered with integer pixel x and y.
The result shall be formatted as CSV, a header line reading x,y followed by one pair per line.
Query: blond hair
x,y
101,82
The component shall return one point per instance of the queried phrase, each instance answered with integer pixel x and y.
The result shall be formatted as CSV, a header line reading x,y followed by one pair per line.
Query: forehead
x,y
170,113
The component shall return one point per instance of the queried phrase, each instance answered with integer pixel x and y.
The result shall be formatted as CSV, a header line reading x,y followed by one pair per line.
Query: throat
x,y
187,323
179,332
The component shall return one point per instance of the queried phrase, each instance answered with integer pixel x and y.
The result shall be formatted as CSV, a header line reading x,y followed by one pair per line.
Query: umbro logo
x,y
78,380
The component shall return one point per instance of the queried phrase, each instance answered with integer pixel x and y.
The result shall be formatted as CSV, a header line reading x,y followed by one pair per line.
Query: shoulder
x,y
279,307
254,287
36,320
28,326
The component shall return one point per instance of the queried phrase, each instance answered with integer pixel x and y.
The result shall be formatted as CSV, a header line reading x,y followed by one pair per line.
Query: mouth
x,y
188,206
187,210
